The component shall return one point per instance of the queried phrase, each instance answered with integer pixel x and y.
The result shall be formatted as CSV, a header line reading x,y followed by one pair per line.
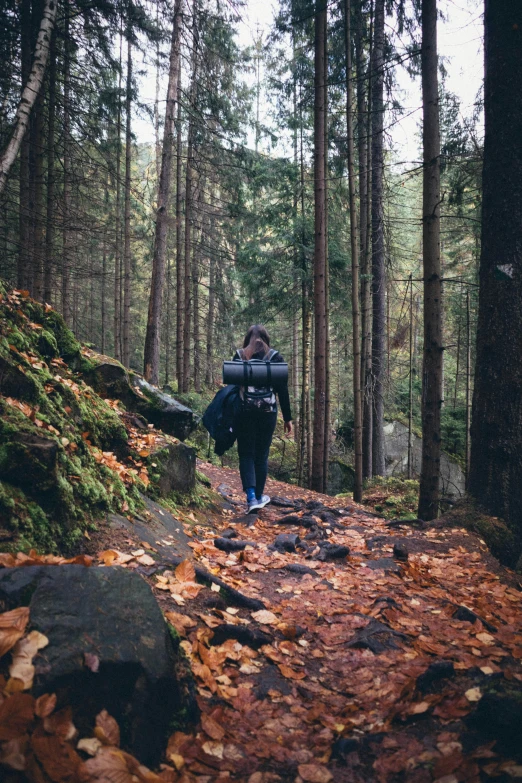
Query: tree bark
x,y
188,213
354,244
317,471
50,217
127,210
152,338
30,91
366,291
117,216
496,425
180,292
24,271
432,354
378,260
66,232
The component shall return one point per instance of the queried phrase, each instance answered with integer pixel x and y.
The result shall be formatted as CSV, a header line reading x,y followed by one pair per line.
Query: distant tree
x,y
152,339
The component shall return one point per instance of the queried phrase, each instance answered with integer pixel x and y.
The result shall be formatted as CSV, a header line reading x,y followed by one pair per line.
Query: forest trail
x,y
368,667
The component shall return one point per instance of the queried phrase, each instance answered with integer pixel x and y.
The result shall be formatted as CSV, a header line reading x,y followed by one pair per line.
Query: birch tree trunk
x,y
152,338
432,356
31,90
24,266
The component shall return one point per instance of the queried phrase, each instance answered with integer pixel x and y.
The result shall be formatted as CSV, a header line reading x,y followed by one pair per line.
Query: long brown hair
x,y
256,341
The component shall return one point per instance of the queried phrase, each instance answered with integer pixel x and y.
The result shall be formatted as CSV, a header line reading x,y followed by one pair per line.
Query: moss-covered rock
x,y
54,433
502,541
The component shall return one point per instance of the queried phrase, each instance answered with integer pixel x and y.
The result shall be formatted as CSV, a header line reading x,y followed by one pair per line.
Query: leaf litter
x,y
349,673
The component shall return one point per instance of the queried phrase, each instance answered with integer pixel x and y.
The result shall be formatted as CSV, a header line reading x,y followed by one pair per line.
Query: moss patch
x,y
53,431
502,542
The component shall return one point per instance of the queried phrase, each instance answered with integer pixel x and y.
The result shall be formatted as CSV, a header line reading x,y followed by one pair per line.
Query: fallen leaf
x,y
212,727
473,694
265,617
12,627
23,653
107,729
185,572
314,773
89,745
213,749
91,661
16,715
290,673
45,704
59,760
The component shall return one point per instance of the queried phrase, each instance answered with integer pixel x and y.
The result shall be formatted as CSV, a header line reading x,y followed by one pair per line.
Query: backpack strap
x,y
272,352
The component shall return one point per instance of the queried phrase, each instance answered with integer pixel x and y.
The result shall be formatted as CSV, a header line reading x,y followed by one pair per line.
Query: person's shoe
x,y
263,501
253,505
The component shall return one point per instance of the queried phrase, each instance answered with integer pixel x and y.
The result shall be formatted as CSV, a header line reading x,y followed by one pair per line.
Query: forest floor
x,y
368,667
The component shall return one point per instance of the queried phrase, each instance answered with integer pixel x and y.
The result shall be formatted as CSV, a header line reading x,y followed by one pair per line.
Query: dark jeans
x,y
254,436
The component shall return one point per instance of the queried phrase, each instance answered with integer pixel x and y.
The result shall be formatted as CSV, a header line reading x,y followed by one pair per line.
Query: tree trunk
x,y
366,291
317,471
209,377
195,298
180,291
127,210
496,426
117,221
152,339
188,213
354,244
378,260
24,272
432,354
66,230
50,217
32,87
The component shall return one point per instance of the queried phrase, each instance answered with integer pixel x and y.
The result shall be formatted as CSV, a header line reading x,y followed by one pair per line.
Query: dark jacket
x,y
221,416
282,393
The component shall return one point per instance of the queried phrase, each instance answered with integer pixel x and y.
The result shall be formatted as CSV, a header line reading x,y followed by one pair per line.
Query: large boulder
x,y
109,648
110,379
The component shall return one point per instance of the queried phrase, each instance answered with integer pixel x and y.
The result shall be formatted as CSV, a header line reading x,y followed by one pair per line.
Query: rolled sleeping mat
x,y
256,373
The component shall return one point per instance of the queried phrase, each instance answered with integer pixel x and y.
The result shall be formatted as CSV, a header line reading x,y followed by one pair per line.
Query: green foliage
x,y
393,497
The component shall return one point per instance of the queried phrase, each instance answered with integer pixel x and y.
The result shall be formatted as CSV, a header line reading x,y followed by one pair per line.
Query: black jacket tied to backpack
x,y
221,416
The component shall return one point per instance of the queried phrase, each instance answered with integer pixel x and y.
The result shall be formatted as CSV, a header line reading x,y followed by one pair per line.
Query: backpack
x,y
260,399
220,418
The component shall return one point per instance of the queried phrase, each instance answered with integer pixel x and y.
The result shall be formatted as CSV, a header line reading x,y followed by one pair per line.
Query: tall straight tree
x,y
496,426
364,234
432,355
152,338
127,210
320,283
354,244
378,259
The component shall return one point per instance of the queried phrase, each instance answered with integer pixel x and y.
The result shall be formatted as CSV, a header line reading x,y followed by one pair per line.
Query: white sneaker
x,y
263,501
256,504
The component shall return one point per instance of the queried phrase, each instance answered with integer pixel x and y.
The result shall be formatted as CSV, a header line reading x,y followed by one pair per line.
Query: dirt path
x,y
365,667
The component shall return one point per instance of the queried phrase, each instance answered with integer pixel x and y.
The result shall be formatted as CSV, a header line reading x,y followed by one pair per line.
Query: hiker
x,y
257,420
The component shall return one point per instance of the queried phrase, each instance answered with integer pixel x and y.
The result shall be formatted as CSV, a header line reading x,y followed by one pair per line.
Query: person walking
x,y
257,420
